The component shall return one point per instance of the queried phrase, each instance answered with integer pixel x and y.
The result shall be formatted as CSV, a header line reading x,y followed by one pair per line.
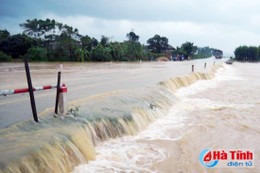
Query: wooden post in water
x,y
192,68
205,65
29,82
58,93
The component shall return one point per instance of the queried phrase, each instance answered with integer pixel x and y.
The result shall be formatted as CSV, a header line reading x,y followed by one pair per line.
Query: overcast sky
x,y
223,24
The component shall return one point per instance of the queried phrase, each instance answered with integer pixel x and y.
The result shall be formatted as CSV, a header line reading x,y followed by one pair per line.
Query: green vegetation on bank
x,y
49,40
247,53
4,57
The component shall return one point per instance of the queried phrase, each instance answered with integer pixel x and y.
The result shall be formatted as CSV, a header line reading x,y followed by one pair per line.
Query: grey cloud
x,y
237,16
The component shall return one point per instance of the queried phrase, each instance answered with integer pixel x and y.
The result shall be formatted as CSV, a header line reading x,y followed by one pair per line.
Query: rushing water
x,y
83,80
158,129
223,112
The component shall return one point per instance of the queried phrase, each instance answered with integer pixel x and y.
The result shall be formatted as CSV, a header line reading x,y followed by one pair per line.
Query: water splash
x,y
60,144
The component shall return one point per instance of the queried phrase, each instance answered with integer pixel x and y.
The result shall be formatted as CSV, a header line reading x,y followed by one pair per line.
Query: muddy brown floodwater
x,y
131,117
220,113
83,80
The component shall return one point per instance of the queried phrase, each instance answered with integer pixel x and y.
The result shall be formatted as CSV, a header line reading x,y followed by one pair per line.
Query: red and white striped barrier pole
x,y
25,90
62,104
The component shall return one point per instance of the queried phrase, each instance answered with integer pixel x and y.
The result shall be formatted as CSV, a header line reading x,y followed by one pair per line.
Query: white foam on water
x,y
128,154
123,155
226,73
195,104
159,129
176,119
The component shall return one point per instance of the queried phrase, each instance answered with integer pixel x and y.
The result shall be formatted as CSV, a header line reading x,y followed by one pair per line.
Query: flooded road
x,y
132,117
83,80
220,113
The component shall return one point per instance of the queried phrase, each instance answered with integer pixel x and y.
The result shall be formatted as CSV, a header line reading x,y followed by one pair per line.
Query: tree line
x,y
49,40
247,53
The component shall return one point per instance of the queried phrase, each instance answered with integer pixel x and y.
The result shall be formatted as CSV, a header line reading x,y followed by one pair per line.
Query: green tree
x,y
179,51
100,53
205,51
245,53
134,49
189,49
252,53
67,47
17,45
86,43
69,31
104,41
4,34
59,54
4,57
157,44
40,28
94,41
53,35
240,53
37,54
147,54
258,53
118,51
80,55
132,37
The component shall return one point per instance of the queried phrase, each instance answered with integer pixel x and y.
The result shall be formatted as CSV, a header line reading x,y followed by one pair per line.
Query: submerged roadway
x,y
82,80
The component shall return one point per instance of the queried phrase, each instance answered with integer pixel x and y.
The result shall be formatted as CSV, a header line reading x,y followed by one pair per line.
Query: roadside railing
x,y
60,104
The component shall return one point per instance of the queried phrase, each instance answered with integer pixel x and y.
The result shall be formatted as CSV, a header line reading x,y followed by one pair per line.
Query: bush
x,y
59,54
4,57
100,53
36,54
